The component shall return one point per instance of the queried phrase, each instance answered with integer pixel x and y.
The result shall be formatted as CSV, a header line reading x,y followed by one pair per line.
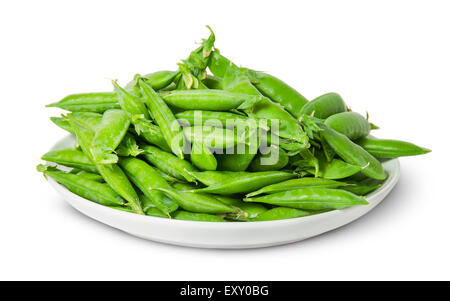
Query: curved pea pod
x,y
70,157
384,148
151,133
351,124
353,153
111,173
209,178
84,187
278,91
202,157
213,137
248,210
273,158
311,199
130,103
157,80
147,179
197,202
281,213
198,217
88,102
91,176
213,82
168,163
170,128
324,106
209,99
294,184
211,118
247,182
336,169
108,135
62,123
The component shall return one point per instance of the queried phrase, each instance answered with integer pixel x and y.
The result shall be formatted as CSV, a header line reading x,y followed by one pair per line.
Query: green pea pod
x,y
108,136
197,202
150,133
351,124
112,173
273,158
147,179
212,100
202,157
91,176
294,184
384,148
164,117
209,178
281,213
198,217
360,188
128,147
213,137
324,106
88,102
213,82
168,163
278,91
248,210
336,169
247,182
353,153
210,118
130,103
235,79
157,80
84,187
62,123
70,157
311,199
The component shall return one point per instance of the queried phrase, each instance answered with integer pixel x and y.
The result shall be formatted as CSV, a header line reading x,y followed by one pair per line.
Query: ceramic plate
x,y
225,235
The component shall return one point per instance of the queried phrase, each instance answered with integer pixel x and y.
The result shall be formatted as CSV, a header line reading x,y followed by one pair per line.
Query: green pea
x,y
384,148
84,187
199,217
130,103
168,163
214,177
165,119
281,213
88,102
325,106
311,199
351,124
294,184
147,179
70,157
353,153
278,91
108,135
247,182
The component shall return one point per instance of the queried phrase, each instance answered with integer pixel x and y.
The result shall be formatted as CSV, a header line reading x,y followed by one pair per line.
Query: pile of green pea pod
x,y
160,146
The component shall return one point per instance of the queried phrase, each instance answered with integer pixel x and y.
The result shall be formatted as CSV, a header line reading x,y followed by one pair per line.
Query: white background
x,y
391,58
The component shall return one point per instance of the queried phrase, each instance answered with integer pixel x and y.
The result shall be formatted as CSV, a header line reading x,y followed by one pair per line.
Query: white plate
x,y
225,235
